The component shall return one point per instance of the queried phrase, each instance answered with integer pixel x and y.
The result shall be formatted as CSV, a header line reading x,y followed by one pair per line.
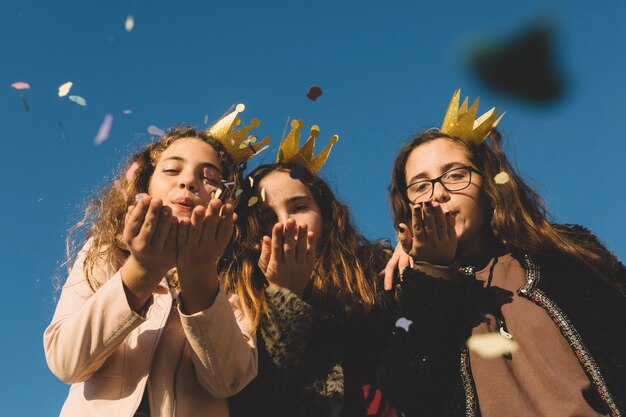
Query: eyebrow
x,y
444,168
204,164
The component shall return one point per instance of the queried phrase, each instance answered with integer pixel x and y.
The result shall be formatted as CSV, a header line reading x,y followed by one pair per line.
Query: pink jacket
x,y
188,363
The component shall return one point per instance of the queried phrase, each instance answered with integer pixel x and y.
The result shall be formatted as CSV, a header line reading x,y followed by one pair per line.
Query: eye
x,y
171,171
300,207
422,186
210,176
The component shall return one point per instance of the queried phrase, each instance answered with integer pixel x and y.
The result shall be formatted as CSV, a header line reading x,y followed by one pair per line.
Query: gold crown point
x,y
290,151
460,121
240,107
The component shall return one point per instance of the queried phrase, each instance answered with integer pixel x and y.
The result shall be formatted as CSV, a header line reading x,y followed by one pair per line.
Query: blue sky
x,y
387,70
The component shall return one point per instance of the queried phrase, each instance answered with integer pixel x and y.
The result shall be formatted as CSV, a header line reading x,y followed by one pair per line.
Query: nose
x,y
187,180
440,193
283,216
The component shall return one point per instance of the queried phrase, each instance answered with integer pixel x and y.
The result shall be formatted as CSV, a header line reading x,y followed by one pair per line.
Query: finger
x,y
419,232
441,226
196,225
135,219
225,225
389,271
450,226
163,228
311,247
301,243
211,220
289,243
151,220
183,232
404,237
266,253
172,237
277,242
429,220
404,261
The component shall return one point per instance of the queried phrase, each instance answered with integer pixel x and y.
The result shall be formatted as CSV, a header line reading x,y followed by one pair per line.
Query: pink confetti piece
x,y
130,23
131,171
121,190
314,93
155,131
127,111
229,184
105,129
253,200
78,100
64,88
20,85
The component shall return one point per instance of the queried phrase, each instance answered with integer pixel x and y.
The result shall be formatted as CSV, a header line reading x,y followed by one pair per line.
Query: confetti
x,y
26,107
20,85
40,199
64,88
491,345
218,193
251,181
211,175
262,193
314,93
252,201
229,184
404,323
297,172
138,197
206,119
129,24
153,130
501,178
121,190
78,100
62,130
262,149
127,111
238,192
105,129
130,172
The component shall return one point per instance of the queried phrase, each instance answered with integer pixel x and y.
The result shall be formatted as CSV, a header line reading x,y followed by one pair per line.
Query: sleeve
x,y
87,327
285,334
223,344
419,372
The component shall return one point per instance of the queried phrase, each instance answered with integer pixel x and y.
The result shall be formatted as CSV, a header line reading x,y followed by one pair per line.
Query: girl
x,y
135,330
306,280
553,290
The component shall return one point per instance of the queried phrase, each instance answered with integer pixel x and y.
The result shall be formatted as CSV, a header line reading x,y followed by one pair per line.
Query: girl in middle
x,y
307,281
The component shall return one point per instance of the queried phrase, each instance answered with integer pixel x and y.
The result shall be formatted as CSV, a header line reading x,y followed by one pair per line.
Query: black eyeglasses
x,y
455,179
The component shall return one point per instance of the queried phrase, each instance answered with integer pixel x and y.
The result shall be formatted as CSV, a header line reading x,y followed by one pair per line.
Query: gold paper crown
x,y
290,151
460,122
239,145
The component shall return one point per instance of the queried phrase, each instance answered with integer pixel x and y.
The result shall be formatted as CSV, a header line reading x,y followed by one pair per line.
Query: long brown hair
x,y
518,215
346,266
103,218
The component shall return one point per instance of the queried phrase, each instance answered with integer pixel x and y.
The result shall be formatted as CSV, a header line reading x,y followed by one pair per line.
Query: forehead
x,y
193,150
280,187
431,156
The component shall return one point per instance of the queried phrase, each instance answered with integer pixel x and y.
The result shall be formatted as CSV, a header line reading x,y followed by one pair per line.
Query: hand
x,y
150,235
201,241
434,237
400,260
288,258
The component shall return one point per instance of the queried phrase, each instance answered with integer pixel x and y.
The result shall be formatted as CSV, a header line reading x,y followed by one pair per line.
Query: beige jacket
x,y
188,363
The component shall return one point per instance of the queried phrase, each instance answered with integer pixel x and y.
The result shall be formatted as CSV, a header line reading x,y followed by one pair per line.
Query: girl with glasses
x,y
485,260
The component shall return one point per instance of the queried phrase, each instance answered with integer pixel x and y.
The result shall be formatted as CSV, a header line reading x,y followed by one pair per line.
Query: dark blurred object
x,y
523,66
314,92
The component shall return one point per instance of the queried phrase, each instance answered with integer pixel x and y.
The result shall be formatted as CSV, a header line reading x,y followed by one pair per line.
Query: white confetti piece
x,y
491,345
78,100
218,193
105,129
130,23
262,149
262,193
251,181
65,88
404,323
501,178
127,111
